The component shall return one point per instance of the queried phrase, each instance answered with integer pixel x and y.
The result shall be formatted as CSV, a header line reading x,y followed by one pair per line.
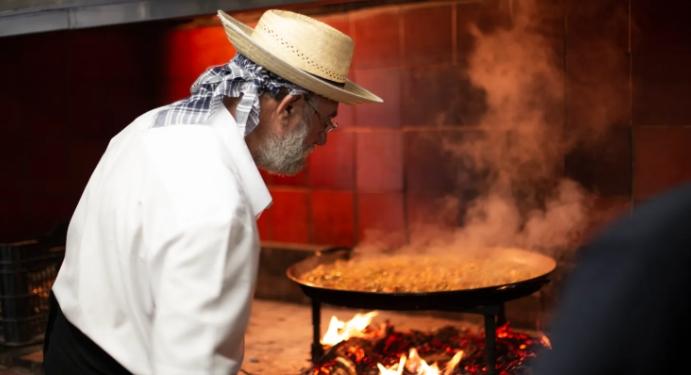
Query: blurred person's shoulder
x,y
656,227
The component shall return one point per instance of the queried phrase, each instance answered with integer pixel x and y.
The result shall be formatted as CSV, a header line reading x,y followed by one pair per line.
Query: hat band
x,y
339,84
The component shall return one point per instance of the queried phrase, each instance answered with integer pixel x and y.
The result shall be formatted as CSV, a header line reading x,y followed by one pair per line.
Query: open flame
x,y
362,347
544,340
415,364
340,331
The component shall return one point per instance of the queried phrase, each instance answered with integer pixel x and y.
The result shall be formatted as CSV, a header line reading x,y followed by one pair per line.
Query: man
x,y
626,306
162,249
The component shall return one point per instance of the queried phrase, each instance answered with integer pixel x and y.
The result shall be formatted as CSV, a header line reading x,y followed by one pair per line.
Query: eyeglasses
x,y
328,124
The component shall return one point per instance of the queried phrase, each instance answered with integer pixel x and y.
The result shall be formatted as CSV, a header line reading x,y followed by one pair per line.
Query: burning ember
x,y
357,327
416,365
361,347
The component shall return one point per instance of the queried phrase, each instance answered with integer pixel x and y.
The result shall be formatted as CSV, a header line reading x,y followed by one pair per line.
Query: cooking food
x,y
427,273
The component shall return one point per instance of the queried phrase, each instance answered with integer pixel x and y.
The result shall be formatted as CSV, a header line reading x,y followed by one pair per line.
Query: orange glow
x,y
544,340
396,369
356,327
455,360
415,364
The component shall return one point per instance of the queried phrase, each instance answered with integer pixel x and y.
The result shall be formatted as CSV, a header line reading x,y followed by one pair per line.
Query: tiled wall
x,y
66,93
63,95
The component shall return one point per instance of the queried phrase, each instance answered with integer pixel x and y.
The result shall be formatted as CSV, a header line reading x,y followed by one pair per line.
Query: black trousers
x,y
67,351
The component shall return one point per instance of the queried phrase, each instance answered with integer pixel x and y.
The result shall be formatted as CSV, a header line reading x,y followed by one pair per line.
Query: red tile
x,y
340,22
662,159
376,35
446,94
346,115
331,166
386,83
332,214
191,50
299,179
265,225
379,156
427,34
381,218
289,220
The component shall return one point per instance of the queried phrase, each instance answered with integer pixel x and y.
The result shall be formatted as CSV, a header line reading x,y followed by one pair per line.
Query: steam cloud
x,y
516,157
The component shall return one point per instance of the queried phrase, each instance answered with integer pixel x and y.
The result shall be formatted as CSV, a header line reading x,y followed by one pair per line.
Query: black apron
x,y
67,351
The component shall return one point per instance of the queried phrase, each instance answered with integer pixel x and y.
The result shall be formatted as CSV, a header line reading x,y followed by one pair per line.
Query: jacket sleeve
x,y
203,259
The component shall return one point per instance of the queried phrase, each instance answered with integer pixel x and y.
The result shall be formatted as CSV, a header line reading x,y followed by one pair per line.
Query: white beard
x,y
285,155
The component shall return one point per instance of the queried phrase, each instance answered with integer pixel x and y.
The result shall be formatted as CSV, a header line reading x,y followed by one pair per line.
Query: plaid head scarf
x,y
239,78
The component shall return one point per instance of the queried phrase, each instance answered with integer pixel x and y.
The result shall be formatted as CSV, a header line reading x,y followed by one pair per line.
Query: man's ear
x,y
286,105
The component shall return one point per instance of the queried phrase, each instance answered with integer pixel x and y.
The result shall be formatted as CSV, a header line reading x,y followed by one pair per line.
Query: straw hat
x,y
302,50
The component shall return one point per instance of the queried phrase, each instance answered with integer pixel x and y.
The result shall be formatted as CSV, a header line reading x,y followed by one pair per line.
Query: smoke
x,y
512,160
526,201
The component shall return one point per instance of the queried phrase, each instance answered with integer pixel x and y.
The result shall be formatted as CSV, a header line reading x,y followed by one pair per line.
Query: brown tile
x,y
597,67
430,167
381,216
47,164
431,209
122,51
331,166
486,16
376,35
14,154
332,214
591,20
604,212
604,166
386,83
661,56
438,175
379,156
427,34
440,95
15,223
110,46
662,159
115,107
289,218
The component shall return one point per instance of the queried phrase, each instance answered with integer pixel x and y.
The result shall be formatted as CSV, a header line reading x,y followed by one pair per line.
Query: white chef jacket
x,y
162,250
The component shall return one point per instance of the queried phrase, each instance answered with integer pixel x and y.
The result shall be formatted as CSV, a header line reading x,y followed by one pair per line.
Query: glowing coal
x,y
381,350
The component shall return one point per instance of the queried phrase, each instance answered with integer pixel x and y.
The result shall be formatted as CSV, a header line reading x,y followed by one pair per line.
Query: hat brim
x,y
239,35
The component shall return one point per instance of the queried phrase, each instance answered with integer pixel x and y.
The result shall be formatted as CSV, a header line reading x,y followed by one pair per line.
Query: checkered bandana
x,y
239,78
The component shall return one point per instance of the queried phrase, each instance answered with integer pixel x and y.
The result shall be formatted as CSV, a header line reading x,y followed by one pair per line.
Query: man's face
x,y
285,150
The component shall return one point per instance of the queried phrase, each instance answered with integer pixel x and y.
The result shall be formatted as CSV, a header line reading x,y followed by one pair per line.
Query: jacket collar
x,y
240,160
